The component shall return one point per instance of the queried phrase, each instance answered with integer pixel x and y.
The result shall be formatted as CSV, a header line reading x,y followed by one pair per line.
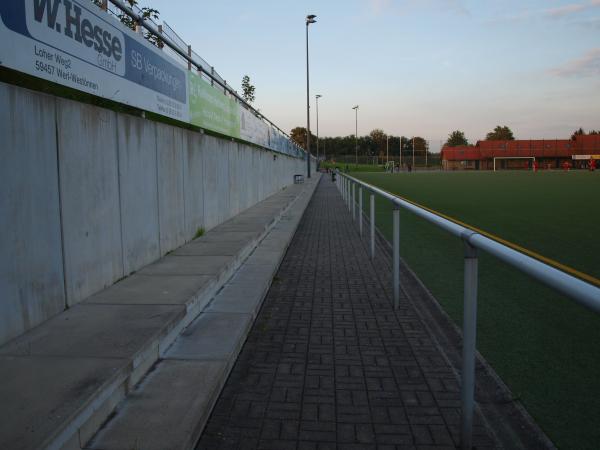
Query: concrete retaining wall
x,y
89,195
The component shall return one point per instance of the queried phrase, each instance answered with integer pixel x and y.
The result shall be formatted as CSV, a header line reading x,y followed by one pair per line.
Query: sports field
x,y
543,345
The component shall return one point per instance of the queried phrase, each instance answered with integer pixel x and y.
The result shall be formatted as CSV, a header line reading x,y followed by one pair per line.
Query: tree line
x,y
373,144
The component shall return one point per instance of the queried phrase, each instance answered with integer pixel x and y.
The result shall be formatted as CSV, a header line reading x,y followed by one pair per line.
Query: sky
x,y
414,67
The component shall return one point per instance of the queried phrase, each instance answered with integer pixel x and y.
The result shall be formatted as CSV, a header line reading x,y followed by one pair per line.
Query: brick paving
x,y
329,364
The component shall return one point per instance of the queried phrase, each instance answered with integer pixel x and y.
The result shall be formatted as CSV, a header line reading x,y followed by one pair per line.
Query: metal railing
x,y
584,293
183,53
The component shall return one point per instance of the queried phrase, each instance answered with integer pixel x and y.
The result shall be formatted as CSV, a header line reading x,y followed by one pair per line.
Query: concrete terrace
x,y
60,381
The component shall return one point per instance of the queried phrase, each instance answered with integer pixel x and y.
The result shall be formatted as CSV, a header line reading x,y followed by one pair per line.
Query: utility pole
x,y
413,163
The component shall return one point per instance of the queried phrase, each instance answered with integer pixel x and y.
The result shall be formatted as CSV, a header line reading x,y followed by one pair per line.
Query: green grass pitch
x,y
543,345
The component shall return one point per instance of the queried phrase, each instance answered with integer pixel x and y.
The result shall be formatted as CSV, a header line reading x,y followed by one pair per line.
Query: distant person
x,y
566,166
535,166
409,167
592,164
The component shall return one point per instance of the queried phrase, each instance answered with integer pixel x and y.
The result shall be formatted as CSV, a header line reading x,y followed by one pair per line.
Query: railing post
x,y
468,352
396,251
349,200
372,217
354,201
360,209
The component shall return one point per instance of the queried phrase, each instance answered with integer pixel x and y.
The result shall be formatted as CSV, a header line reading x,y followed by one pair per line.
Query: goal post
x,y
532,158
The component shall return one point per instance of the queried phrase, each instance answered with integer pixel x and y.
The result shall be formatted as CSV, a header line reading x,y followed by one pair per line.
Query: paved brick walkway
x,y
329,364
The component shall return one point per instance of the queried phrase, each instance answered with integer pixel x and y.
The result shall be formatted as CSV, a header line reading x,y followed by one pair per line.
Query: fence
x,y
169,41
432,161
584,293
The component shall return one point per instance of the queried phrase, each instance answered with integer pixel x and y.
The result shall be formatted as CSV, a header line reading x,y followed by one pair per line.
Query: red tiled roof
x,y
540,148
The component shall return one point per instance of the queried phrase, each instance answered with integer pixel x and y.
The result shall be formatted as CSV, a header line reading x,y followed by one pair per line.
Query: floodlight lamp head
x,y
318,96
355,107
310,19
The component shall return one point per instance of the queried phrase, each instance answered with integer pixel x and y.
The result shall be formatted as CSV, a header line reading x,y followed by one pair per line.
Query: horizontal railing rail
x,y
193,60
581,291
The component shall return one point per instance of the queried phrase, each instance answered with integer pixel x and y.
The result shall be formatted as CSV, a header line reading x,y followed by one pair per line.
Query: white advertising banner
x,y
253,129
76,44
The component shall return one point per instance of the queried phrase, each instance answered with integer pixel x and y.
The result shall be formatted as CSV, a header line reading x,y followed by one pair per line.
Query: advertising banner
x,y
253,129
210,108
75,44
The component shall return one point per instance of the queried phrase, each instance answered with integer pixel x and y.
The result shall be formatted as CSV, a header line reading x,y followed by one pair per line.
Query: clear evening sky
x,y
415,67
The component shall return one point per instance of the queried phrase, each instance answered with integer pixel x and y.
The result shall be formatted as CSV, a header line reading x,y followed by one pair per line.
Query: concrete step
x,y
61,380
169,408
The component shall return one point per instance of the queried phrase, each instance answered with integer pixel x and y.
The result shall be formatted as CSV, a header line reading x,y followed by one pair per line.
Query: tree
x,y
577,133
500,133
146,13
456,138
248,91
581,132
298,135
378,141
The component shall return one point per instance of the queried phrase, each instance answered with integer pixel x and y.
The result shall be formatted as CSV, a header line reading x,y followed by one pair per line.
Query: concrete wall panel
x,y
31,271
194,182
216,181
88,195
171,203
89,189
138,191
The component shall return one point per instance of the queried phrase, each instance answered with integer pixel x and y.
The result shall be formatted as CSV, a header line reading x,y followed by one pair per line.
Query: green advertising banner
x,y
211,109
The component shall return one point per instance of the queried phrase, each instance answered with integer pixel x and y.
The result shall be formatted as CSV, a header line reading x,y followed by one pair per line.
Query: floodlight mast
x,y
355,108
309,19
317,97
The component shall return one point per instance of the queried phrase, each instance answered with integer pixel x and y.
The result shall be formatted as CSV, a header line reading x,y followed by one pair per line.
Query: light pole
x,y
387,148
317,97
400,155
355,108
413,162
309,19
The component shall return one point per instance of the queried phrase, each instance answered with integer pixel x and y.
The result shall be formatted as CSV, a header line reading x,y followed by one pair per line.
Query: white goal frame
x,y
512,157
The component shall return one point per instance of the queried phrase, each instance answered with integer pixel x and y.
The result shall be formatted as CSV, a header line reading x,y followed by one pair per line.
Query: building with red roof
x,y
519,154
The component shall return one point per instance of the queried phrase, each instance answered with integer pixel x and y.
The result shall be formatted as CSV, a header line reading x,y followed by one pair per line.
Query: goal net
x,y
513,162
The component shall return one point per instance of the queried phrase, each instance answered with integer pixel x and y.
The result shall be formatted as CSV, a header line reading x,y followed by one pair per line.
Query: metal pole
x,y
353,201
468,352
372,217
396,251
307,110
317,100
356,133
360,210
387,149
413,163
426,151
400,162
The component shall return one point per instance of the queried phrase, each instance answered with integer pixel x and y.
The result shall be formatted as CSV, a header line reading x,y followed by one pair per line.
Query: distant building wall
x,y
89,195
549,153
